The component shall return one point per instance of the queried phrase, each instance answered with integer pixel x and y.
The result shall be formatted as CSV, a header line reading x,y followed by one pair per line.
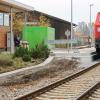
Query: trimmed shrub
x,y
21,51
26,58
6,60
40,51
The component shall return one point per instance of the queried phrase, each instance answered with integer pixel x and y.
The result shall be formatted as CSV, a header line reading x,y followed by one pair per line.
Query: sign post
x,y
67,33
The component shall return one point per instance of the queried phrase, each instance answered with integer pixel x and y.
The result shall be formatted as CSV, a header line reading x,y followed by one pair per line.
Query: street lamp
x,y
71,22
90,24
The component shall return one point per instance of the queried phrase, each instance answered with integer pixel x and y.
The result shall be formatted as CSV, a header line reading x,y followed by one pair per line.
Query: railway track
x,y
91,94
71,88
95,94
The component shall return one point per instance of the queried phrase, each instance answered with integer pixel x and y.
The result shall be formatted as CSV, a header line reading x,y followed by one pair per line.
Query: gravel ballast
x,y
56,70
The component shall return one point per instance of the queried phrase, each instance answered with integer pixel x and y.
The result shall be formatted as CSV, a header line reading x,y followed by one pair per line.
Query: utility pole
x,y
11,30
71,22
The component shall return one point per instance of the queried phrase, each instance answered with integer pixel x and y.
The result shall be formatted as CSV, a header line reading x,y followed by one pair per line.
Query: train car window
x,y
99,19
98,29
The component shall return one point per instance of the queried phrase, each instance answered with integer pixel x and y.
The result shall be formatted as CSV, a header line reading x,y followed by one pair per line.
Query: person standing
x,y
89,41
16,41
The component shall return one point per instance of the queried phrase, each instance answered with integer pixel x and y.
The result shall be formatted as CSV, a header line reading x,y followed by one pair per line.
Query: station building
x,y
8,7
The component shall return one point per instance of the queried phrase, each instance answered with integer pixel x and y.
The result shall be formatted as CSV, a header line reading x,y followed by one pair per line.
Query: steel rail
x,y
88,92
54,85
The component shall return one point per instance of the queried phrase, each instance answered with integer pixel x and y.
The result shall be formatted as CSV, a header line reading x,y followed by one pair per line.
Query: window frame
x,y
8,23
2,19
98,29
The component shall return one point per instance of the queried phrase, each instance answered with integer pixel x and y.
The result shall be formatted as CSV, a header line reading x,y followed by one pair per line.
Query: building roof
x,y
53,17
5,5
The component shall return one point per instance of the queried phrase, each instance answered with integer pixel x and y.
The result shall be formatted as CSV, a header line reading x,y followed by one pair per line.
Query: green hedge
x,y
40,51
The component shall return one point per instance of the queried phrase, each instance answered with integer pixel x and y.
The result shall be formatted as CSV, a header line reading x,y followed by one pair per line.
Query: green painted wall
x,y
50,36
37,34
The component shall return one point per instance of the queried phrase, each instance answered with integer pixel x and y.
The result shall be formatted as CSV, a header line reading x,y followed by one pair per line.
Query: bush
x,y
21,51
26,57
6,60
40,51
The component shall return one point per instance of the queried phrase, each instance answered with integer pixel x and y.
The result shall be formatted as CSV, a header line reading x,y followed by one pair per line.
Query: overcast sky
x,y
61,8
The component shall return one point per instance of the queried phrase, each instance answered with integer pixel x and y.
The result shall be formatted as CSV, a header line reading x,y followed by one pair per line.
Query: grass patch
x,y
8,63
6,60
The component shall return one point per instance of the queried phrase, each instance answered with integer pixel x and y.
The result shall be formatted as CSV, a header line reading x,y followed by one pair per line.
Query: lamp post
x,y
71,22
90,20
90,26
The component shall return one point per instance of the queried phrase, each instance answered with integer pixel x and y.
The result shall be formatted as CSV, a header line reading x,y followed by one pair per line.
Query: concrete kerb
x,y
16,75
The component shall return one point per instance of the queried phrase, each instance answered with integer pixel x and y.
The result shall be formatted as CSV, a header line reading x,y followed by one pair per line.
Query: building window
x,y
6,19
1,19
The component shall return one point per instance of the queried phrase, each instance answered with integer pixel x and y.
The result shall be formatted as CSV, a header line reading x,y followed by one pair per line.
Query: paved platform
x,y
84,55
74,50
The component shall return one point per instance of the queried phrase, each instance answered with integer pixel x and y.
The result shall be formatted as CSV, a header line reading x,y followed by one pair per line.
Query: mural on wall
x,y
43,21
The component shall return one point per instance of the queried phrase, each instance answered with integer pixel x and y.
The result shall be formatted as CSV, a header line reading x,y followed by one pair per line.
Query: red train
x,y
97,33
